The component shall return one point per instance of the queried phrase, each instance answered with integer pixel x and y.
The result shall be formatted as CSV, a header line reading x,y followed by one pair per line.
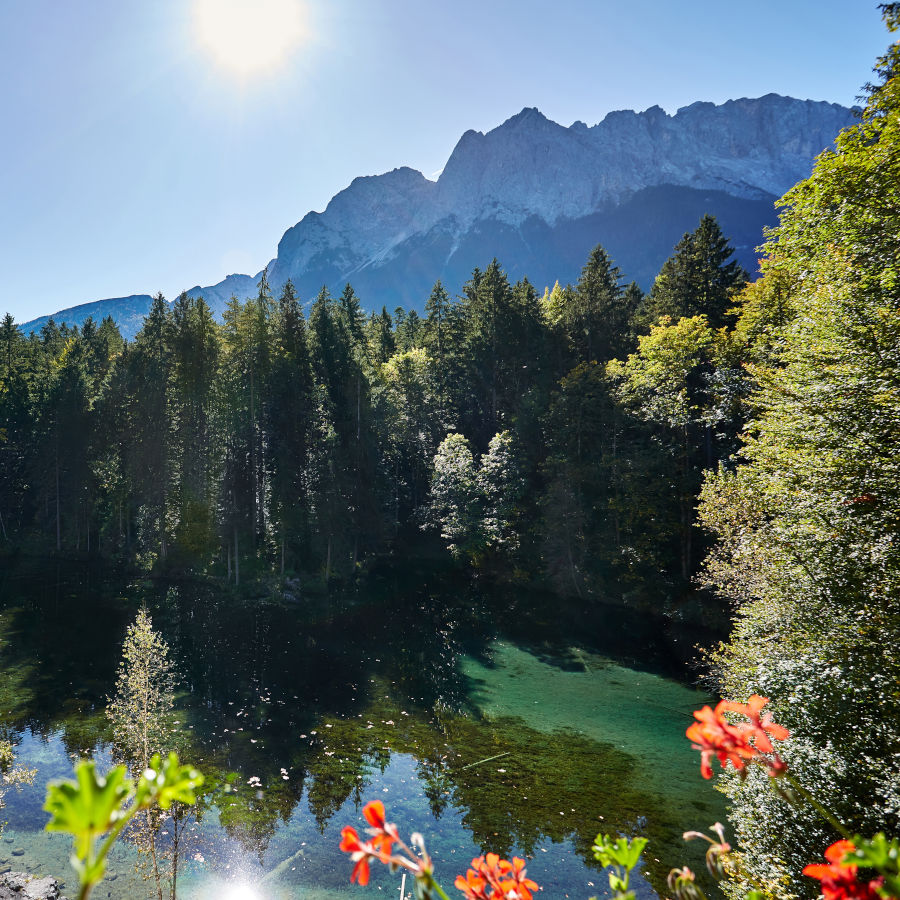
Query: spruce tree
x,y
698,279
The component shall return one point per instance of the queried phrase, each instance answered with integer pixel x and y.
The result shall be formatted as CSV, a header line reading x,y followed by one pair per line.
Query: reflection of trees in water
x,y
538,788
251,812
16,680
261,680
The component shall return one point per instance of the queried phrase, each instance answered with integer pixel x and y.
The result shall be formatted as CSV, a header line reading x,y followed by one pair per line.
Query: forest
x,y
559,437
717,437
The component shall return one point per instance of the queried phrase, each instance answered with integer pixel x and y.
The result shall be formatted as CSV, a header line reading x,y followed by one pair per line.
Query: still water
x,y
483,719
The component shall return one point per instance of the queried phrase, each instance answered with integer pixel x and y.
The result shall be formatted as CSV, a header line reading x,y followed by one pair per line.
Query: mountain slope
x,y
128,313
538,196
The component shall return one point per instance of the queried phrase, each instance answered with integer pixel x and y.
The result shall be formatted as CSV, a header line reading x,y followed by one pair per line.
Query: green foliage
x,y
271,445
697,279
475,507
882,855
664,381
807,528
140,711
593,319
622,855
96,808
455,498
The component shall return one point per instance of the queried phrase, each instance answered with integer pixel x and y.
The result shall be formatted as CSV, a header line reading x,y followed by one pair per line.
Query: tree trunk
x,y
686,510
176,815
237,559
58,529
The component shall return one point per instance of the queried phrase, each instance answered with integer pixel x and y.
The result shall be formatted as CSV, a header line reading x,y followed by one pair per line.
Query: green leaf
x,y
88,807
167,782
618,852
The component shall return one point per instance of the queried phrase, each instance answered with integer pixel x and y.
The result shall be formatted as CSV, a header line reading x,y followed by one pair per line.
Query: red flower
x,y
490,877
384,834
380,847
746,742
515,884
504,878
472,885
762,728
712,735
374,814
360,852
839,881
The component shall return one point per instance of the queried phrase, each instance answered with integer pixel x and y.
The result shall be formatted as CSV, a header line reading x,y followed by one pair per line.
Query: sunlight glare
x,y
249,36
241,892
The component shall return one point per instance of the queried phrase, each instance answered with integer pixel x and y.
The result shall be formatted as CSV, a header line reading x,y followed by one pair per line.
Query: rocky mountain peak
x,y
536,194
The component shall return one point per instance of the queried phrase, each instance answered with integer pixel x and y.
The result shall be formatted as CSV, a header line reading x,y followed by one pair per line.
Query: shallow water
x,y
499,722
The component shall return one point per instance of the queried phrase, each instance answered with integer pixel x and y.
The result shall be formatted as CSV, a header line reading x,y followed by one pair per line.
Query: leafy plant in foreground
x,y
621,855
95,809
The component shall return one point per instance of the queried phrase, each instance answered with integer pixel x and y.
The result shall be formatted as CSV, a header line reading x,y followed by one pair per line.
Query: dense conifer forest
x,y
556,438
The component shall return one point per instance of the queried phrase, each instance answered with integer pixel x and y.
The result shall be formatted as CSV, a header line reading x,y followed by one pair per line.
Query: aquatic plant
x,y
98,809
739,742
11,774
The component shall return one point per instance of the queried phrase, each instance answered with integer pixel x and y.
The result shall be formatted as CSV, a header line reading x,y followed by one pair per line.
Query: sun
x,y
249,37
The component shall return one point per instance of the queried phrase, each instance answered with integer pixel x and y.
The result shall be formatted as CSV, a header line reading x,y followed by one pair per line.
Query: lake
x,y
484,718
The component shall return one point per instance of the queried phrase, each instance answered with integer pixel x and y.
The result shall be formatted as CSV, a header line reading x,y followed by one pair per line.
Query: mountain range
x,y
538,196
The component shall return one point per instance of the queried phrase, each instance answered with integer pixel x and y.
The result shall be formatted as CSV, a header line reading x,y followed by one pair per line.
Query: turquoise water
x,y
500,722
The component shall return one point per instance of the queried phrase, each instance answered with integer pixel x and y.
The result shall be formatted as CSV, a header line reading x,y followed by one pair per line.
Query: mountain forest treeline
x,y
559,437
609,444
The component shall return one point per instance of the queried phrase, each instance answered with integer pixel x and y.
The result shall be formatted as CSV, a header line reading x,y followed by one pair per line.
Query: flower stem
x,y
808,797
429,880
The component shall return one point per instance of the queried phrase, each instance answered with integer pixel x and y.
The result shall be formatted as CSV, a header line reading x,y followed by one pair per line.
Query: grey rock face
x,y
20,886
532,167
523,190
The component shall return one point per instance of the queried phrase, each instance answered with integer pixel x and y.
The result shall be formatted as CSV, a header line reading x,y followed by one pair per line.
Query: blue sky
x,y
133,161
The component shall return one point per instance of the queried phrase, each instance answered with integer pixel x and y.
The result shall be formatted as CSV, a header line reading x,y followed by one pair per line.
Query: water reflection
x,y
484,721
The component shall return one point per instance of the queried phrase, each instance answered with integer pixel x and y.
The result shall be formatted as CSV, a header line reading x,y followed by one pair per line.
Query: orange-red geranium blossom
x,y
380,848
761,727
384,834
745,742
360,852
839,881
472,885
504,878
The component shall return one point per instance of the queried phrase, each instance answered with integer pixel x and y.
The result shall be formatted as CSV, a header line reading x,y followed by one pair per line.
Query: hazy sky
x,y
138,154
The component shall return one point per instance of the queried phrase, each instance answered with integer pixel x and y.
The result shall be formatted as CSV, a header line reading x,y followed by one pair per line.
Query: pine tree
x,y
381,337
290,421
697,279
195,365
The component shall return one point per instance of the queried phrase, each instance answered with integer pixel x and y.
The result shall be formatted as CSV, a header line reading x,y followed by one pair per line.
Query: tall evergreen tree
x,y
697,279
290,422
